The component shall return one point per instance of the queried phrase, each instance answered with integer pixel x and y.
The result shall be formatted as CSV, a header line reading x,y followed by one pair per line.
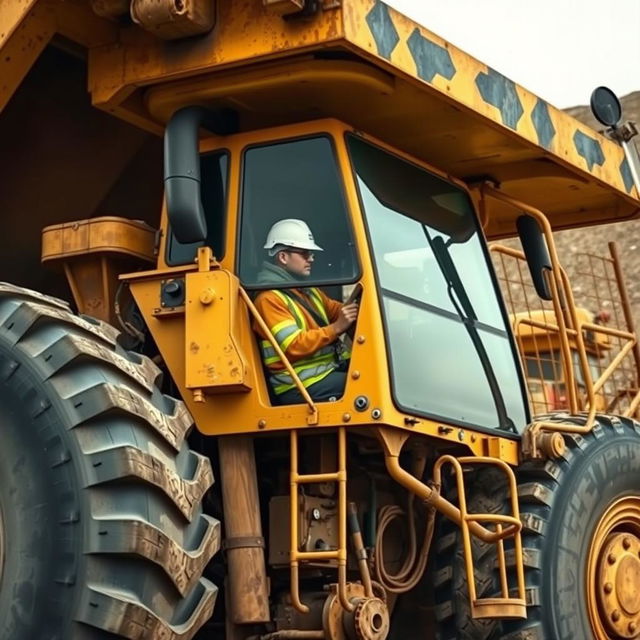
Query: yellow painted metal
x,y
12,14
110,8
613,572
266,90
23,36
606,340
498,448
437,103
105,234
93,252
339,554
76,21
253,412
27,27
437,107
505,606
215,361
532,330
393,440
462,89
246,31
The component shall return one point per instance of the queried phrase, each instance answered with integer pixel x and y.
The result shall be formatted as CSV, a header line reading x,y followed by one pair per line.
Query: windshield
x,y
451,354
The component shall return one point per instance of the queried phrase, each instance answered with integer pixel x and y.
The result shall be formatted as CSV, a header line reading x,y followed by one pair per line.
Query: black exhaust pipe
x,y
182,168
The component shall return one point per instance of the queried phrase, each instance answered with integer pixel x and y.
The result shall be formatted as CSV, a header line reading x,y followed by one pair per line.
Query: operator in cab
x,y
306,323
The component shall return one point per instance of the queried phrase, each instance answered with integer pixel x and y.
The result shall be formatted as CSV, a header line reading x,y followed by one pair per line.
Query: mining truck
x,y
151,484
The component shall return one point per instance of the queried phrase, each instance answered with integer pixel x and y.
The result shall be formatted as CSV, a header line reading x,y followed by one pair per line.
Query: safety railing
x,y
313,416
505,605
571,332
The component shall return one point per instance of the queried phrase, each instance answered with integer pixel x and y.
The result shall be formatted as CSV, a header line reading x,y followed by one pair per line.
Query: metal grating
x,y
602,309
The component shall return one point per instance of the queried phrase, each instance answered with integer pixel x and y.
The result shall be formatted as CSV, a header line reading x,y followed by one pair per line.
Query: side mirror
x,y
536,253
182,169
606,107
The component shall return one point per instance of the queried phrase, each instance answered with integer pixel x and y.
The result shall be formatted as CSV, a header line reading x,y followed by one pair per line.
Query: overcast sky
x,y
559,49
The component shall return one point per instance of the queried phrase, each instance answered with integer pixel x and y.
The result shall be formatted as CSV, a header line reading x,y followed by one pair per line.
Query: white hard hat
x,y
290,233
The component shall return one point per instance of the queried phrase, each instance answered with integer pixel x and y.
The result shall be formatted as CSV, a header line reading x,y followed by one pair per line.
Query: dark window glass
x,y
295,180
451,354
546,366
213,191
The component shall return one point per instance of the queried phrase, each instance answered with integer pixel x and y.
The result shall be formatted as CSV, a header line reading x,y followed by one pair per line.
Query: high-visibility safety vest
x,y
310,369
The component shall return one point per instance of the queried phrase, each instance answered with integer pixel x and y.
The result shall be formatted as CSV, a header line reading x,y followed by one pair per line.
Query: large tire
x,y
102,533
563,504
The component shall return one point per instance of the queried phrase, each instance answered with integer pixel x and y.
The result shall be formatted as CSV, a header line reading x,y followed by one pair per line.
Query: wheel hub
x,y
619,584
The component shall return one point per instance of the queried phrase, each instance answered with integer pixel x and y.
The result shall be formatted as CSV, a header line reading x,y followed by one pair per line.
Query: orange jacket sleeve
x,y
305,343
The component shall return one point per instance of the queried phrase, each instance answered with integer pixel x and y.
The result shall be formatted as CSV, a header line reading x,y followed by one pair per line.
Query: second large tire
x,y
102,532
565,505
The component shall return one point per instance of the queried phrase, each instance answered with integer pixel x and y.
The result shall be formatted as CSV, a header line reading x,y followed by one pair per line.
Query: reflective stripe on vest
x,y
310,370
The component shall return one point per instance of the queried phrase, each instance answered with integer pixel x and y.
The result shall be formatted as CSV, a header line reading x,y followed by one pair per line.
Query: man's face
x,y
297,261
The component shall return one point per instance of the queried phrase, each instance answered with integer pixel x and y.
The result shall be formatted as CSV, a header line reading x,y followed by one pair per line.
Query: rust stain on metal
x,y
209,371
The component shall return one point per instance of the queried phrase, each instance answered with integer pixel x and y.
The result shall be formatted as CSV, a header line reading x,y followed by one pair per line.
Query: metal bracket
x,y
309,11
243,542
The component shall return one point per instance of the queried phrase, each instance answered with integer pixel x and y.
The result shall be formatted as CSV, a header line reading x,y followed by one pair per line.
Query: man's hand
x,y
346,318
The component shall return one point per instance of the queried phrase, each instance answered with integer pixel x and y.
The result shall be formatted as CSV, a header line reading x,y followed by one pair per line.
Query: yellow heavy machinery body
x,y
534,338
540,349
381,94
406,86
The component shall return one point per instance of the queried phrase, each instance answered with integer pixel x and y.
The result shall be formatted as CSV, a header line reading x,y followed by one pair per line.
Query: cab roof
x,y
368,65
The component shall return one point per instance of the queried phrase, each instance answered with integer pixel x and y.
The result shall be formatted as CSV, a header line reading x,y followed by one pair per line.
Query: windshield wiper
x,y
465,310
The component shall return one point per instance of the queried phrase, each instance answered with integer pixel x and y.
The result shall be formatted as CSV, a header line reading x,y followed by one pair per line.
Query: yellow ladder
x,y
339,554
504,606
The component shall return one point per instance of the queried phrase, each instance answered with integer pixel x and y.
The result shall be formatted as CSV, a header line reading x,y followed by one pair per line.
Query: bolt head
x,y
608,587
615,616
626,542
611,559
207,296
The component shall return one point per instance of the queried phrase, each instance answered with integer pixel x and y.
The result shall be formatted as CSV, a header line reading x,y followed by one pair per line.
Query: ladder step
x,y
499,608
318,555
317,477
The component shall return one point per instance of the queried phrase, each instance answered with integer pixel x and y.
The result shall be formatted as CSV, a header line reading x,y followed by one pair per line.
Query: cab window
x,y
297,179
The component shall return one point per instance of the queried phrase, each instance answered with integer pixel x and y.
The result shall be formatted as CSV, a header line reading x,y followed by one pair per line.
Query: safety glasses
x,y
305,253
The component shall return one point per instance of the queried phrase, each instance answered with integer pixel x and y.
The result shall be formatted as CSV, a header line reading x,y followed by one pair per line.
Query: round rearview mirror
x,y
606,106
